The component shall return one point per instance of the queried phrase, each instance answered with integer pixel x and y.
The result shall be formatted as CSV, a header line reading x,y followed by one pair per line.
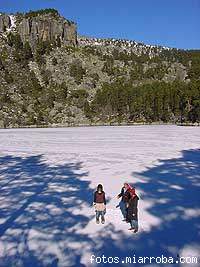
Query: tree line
x,y
158,101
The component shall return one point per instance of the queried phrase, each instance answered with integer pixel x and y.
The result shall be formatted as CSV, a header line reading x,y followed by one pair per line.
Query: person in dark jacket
x,y
100,204
132,212
125,196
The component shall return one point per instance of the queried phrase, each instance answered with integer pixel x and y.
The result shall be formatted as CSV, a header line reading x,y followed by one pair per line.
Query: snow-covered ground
x,y
47,180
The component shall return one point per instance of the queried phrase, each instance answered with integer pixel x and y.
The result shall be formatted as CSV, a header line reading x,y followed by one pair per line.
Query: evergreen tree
x,y
27,51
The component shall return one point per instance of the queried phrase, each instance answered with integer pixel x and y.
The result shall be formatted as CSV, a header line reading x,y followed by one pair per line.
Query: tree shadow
x,y
38,221
172,189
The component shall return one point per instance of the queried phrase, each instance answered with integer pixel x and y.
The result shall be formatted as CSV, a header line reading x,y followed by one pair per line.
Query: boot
x,y
102,220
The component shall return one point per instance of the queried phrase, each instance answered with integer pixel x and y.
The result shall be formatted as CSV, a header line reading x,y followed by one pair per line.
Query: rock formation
x,y
4,22
43,27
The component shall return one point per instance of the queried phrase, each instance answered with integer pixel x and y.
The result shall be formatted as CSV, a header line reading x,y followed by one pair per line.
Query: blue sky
x,y
173,23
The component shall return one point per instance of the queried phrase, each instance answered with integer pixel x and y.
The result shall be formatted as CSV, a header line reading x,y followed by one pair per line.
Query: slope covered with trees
x,y
94,80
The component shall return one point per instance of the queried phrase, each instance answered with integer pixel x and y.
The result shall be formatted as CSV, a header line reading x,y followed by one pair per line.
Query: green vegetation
x,y
54,61
42,48
21,52
1,65
48,11
77,71
79,97
27,51
15,41
109,66
36,13
194,58
8,77
99,84
159,101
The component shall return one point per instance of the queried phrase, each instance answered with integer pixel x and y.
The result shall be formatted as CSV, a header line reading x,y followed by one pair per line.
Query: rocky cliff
x,y
38,27
5,22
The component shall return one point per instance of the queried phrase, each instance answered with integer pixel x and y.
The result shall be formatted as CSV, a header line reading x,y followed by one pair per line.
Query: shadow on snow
x,y
172,188
37,219
37,204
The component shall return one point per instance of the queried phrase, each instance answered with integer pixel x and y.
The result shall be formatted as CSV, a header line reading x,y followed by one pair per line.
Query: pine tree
x,y
27,51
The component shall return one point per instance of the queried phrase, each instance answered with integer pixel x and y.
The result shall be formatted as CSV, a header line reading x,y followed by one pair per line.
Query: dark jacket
x,y
125,195
99,197
132,213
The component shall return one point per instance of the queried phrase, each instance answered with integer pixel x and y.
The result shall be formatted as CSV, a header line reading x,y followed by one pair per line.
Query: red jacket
x,y
132,192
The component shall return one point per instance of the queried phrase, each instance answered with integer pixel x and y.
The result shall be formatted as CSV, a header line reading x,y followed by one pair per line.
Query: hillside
x,y
49,75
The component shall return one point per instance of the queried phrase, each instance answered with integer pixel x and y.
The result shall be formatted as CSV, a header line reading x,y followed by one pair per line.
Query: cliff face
x,y
4,22
40,28
46,28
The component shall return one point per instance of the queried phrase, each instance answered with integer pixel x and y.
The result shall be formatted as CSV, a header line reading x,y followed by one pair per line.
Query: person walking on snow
x,y
125,196
100,204
132,212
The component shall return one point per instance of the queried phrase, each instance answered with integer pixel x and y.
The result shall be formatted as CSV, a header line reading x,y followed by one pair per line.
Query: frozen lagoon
x,y
47,180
